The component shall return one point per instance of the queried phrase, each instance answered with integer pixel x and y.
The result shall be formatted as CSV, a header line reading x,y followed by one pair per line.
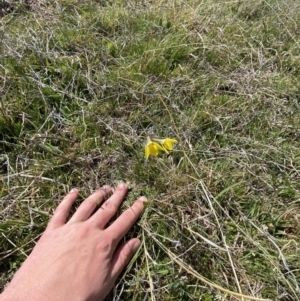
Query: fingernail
x,y
121,186
73,190
106,188
136,245
143,199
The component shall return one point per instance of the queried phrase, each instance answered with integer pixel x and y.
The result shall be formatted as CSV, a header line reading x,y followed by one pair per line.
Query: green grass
x,y
82,85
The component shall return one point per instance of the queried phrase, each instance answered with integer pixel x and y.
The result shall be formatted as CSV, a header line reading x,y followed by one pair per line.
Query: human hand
x,y
79,260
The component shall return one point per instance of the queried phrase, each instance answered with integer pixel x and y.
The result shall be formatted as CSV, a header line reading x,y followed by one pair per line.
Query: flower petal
x,y
168,143
147,152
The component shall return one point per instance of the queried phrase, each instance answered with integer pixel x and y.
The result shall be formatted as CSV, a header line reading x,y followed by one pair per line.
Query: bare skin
x,y
79,260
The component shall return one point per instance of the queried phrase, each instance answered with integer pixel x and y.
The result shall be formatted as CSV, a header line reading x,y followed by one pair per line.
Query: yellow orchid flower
x,y
152,148
167,143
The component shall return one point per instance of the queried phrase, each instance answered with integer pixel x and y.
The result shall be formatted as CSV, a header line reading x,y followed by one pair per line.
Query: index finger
x,y
127,219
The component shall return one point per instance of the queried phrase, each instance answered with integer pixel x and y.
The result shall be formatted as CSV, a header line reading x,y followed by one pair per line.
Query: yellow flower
x,y
152,148
167,143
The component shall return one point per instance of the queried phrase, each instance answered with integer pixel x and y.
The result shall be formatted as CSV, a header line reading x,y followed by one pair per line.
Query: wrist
x,y
17,294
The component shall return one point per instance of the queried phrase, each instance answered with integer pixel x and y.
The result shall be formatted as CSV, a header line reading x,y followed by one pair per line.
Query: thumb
x,y
122,256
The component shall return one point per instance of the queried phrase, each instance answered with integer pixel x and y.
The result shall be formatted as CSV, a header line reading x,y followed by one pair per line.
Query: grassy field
x,y
83,83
